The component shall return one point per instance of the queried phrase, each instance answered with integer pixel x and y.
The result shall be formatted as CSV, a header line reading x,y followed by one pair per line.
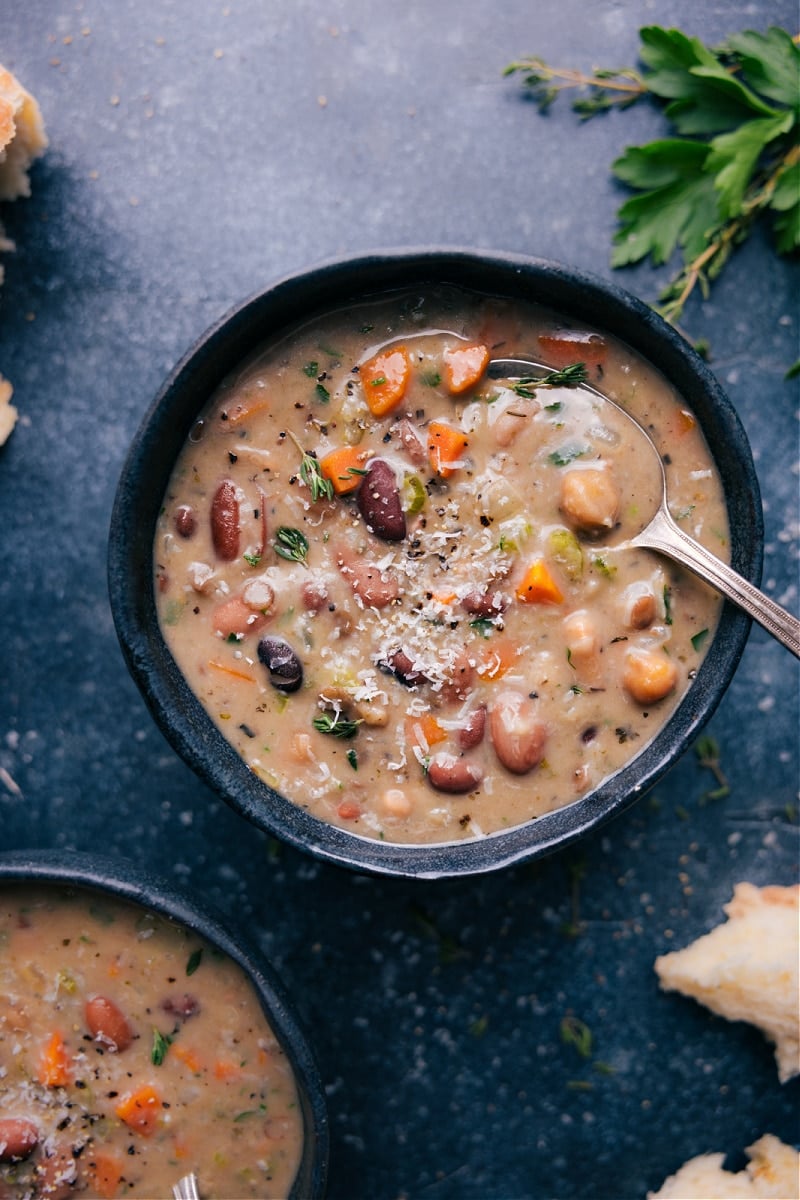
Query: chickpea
x,y
396,803
580,634
649,675
590,499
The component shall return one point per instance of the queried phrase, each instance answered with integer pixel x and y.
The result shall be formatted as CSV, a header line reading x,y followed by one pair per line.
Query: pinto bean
x,y
225,521
412,444
484,604
107,1023
449,773
590,499
56,1175
18,1139
183,1007
314,595
461,675
378,501
283,664
235,618
473,729
185,521
640,606
374,589
517,735
648,675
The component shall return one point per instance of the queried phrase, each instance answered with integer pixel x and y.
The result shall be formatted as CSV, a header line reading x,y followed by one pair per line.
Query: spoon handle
x,y
663,534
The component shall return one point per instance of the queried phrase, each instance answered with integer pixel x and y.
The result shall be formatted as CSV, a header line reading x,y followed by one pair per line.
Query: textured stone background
x,y
200,149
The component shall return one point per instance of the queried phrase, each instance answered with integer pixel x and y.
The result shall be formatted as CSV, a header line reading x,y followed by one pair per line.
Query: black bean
x,y
283,664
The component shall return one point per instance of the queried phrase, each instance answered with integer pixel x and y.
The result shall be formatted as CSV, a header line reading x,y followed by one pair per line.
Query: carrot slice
x,y
105,1172
499,656
385,377
538,586
446,447
344,468
218,666
463,367
224,1069
140,1110
190,1058
562,347
54,1063
424,731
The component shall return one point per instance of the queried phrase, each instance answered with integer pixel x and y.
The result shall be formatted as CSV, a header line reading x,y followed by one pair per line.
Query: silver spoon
x,y
186,1188
662,534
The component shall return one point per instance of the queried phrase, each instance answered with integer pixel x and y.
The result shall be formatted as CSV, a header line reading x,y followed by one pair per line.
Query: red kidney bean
x,y
402,667
517,736
185,521
378,500
484,604
56,1175
314,595
283,664
473,729
225,521
449,773
18,1139
107,1023
412,444
184,1006
373,589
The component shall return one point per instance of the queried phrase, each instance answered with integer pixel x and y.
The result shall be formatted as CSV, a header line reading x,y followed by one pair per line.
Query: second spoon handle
x,y
663,534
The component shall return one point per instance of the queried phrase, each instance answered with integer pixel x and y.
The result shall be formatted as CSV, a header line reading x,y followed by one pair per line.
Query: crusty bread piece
x,y
747,968
22,136
773,1173
8,413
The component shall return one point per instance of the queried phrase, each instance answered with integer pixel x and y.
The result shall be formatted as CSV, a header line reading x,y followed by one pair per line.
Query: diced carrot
x,y
443,597
189,1057
424,731
385,378
246,407
348,810
224,1069
218,666
54,1063
463,367
105,1172
140,1110
181,1148
538,586
498,656
344,468
562,347
446,447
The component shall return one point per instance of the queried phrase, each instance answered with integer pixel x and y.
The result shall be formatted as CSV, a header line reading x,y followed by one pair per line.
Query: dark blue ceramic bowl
x,y
330,285
126,881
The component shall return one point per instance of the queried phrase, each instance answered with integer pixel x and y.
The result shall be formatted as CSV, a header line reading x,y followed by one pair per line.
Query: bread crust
x,y
773,1173
22,136
746,969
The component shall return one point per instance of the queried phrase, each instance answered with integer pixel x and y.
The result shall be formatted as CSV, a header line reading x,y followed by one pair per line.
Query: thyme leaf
x,y
291,544
571,376
311,473
336,725
161,1045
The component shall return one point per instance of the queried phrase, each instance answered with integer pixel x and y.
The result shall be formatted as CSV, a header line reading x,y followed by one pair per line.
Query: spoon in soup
x,y
661,533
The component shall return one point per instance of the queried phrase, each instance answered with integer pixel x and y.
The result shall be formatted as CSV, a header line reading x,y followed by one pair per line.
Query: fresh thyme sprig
x,y
336,725
732,157
291,544
571,376
311,473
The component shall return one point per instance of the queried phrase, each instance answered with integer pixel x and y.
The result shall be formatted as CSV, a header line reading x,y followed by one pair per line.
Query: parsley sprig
x,y
734,157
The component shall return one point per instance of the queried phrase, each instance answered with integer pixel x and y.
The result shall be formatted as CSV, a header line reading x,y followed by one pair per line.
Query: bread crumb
x,y
773,1173
8,413
22,136
747,968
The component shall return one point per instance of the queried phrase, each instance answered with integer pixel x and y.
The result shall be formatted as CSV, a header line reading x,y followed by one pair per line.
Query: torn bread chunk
x,y
747,968
8,413
22,136
773,1173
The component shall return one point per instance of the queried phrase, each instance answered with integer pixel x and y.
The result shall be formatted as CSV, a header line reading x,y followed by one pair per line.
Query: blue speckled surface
x,y
199,150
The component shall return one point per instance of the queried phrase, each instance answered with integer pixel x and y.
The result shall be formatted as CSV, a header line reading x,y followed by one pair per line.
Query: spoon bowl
x,y
661,533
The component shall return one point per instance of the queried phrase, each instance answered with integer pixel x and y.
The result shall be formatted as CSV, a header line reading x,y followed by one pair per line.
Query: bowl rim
x,y
276,308
126,881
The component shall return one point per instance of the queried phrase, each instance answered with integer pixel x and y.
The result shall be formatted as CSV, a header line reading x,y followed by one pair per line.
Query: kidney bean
x,y
225,521
18,1139
374,589
185,521
378,500
235,618
402,667
283,664
484,604
314,595
473,729
56,1175
107,1023
517,736
449,773
640,606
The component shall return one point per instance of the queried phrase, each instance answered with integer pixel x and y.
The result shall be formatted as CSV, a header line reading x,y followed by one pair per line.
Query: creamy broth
x,y
392,581
132,1052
